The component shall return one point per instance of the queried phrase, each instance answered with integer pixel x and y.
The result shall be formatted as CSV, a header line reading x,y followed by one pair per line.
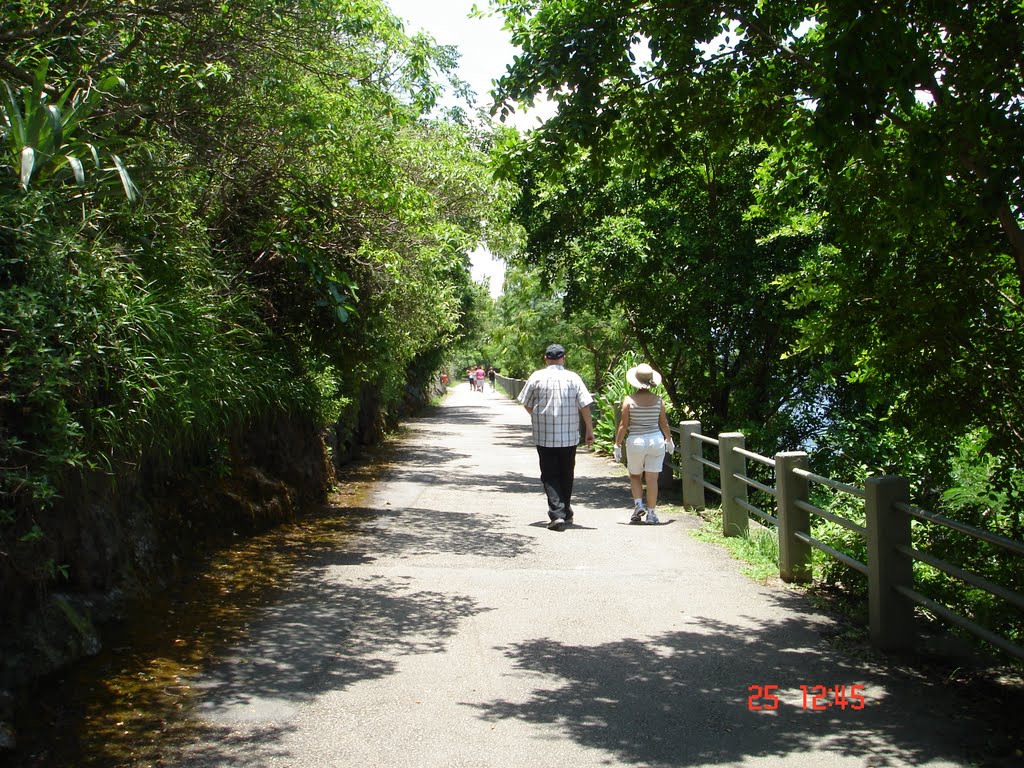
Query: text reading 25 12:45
x,y
817,698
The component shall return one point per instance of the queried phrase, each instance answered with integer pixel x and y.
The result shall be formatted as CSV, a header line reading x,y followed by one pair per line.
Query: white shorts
x,y
645,453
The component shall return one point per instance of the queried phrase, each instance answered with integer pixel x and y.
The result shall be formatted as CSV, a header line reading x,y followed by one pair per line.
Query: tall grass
x,y
101,364
758,548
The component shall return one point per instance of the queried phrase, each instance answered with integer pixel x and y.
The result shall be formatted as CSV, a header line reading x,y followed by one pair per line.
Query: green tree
x,y
894,137
530,315
298,249
673,250
837,87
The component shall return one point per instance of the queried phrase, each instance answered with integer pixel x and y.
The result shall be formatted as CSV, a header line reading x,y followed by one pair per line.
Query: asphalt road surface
x,y
454,629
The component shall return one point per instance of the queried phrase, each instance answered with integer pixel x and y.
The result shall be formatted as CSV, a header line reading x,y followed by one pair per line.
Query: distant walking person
x,y
491,373
480,374
644,419
555,399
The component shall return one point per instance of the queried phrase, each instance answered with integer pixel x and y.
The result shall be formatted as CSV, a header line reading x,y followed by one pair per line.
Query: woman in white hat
x,y
643,418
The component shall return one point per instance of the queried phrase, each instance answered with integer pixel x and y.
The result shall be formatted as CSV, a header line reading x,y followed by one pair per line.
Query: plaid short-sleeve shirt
x,y
556,396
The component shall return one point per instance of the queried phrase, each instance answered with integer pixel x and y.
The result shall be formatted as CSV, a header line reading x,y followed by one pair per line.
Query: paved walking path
x,y
455,630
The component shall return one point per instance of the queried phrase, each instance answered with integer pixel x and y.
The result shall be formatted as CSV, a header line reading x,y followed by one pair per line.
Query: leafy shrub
x,y
608,400
975,502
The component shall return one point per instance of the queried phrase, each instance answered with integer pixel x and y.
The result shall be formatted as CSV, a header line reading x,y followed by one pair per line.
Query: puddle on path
x,y
131,704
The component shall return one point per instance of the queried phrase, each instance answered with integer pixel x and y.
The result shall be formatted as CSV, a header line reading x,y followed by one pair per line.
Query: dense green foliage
x,y
528,316
213,213
677,254
892,165
810,215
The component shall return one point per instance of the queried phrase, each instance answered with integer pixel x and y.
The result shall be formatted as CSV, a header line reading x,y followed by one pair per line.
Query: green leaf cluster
x,y
810,214
530,315
288,235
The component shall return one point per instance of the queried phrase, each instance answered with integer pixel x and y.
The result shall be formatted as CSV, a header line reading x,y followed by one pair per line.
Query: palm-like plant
x,y
40,134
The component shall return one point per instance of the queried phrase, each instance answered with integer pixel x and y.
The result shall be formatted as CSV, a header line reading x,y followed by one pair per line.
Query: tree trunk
x,y
1016,238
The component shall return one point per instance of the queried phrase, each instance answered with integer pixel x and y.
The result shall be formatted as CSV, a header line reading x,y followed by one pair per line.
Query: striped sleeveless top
x,y
643,419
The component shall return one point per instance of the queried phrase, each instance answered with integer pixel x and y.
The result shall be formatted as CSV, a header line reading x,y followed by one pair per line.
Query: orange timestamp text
x,y
817,698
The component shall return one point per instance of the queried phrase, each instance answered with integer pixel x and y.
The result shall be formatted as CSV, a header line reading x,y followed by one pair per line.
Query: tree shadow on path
x,y
435,532
680,698
324,632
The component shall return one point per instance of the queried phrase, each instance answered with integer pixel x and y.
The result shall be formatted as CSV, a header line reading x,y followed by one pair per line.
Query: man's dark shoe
x,y
558,524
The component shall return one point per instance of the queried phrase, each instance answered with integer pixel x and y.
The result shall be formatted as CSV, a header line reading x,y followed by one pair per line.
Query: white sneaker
x,y
652,519
638,514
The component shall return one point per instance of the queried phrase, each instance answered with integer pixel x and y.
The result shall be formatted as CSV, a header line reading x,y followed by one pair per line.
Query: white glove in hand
x,y
670,446
617,452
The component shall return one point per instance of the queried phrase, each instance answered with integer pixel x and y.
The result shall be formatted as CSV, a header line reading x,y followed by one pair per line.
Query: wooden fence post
x,y
691,449
735,520
794,554
891,615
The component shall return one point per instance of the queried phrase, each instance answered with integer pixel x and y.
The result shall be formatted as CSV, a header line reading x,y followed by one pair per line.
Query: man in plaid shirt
x,y
555,399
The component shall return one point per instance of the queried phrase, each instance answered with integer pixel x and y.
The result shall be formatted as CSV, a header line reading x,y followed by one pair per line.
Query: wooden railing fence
x,y
888,516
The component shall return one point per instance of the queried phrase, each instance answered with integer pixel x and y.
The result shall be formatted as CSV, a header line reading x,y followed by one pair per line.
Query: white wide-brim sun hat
x,y
643,376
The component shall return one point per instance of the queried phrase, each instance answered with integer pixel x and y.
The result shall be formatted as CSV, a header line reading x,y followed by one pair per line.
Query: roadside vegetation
x,y
810,220
215,216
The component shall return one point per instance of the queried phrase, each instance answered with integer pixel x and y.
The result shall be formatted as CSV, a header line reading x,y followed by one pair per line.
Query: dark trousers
x,y
557,471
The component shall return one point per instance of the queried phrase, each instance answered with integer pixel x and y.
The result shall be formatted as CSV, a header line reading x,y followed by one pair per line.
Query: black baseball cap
x,y
554,352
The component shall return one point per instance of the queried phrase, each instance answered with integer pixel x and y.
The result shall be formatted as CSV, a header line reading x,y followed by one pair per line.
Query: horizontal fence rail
x,y
853,491
890,556
512,387
1010,545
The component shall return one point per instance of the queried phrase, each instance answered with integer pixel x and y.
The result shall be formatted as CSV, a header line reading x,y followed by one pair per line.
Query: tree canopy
x,y
841,89
212,214
889,142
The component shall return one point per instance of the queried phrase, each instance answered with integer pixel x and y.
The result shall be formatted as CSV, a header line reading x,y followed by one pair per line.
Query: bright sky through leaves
x,y
486,51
